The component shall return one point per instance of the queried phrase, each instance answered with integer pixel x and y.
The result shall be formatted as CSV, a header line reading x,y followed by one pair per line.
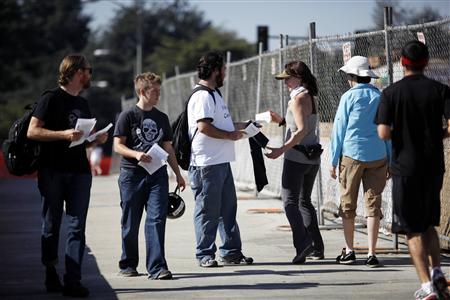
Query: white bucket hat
x,y
359,66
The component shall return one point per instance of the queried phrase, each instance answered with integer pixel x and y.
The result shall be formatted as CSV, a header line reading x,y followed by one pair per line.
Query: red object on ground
x,y
105,164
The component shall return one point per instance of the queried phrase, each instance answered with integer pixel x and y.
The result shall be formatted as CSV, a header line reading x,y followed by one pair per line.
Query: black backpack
x,y
181,142
21,154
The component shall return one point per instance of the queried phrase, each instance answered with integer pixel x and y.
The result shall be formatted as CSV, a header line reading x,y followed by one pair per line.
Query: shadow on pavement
x,y
257,286
22,274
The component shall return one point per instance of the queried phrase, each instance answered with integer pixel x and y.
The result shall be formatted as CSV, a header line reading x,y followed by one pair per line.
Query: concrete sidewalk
x,y
271,277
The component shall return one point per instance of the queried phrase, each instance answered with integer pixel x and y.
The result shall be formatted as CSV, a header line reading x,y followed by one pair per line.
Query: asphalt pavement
x,y
264,237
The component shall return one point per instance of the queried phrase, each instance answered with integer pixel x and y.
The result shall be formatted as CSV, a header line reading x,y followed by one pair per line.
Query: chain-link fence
x,y
250,88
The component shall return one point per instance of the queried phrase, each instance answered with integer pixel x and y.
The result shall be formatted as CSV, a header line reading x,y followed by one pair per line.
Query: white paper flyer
x,y
263,117
85,125
159,159
251,130
94,135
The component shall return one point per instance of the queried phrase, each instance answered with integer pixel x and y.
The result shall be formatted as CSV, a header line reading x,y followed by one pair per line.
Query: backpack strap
x,y
218,92
201,87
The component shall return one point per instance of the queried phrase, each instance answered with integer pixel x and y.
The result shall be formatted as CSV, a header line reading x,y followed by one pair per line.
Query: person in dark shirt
x,y
410,114
64,173
137,130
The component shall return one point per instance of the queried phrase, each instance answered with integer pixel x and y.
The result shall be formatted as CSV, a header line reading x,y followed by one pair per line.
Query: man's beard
x,y
219,80
87,84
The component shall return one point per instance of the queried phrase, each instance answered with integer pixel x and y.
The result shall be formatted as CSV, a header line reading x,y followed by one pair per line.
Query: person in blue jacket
x,y
361,156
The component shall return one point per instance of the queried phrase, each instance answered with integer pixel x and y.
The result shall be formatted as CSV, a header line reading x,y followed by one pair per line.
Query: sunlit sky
x,y
291,17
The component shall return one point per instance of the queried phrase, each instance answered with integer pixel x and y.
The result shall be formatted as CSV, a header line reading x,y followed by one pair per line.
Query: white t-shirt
x,y
206,150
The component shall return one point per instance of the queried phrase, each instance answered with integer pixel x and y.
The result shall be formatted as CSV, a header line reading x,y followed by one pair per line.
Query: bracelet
x,y
282,123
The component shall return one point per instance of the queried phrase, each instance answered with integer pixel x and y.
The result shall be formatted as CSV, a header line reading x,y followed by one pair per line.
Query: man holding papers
x,y
143,137
64,173
213,133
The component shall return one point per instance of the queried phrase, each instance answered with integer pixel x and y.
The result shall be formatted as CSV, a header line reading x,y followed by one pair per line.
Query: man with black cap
x,y
213,133
410,114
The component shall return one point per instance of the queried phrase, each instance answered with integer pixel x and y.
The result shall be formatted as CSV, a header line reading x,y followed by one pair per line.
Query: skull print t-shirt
x,y
142,129
60,111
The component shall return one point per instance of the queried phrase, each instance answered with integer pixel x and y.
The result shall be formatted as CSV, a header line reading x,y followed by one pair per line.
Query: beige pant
x,y
373,176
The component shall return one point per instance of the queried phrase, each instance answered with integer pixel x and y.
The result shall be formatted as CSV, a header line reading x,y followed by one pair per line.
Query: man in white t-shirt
x,y
213,134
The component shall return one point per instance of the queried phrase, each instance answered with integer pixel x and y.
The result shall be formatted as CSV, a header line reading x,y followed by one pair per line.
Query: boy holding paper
x,y
137,130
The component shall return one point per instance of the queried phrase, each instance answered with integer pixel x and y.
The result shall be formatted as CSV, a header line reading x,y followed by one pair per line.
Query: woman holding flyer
x,y
139,129
301,151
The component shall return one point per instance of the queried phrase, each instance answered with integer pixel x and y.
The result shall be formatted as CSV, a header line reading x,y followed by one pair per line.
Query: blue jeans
x,y
139,190
215,209
55,188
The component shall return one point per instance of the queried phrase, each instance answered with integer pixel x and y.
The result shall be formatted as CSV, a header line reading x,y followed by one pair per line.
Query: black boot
x,y
52,282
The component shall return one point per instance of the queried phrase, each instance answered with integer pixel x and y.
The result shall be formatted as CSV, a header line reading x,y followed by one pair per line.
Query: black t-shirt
x,y
142,129
60,111
415,107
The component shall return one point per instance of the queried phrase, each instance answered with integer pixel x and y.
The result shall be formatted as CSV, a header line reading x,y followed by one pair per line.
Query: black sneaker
x,y
238,259
372,262
76,290
300,258
52,282
128,272
346,259
316,255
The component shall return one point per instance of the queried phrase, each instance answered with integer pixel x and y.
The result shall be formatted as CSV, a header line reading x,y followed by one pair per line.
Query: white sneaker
x,y
421,294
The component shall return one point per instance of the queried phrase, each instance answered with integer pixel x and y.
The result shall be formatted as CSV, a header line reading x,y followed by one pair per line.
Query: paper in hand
x,y
251,130
159,159
94,135
85,125
263,117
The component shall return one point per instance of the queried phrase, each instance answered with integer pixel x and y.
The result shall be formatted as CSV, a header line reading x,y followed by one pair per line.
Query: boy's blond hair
x,y
145,81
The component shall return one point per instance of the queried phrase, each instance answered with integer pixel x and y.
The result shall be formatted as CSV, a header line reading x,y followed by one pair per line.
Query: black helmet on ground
x,y
176,205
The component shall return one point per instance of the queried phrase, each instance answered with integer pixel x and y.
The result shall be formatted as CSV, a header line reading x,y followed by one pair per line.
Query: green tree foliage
x,y
174,33
160,21
35,36
185,53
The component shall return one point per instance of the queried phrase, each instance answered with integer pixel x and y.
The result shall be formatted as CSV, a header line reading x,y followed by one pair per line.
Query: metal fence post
x,y
312,63
280,83
387,28
165,103
227,86
312,35
258,87
259,77
387,39
177,80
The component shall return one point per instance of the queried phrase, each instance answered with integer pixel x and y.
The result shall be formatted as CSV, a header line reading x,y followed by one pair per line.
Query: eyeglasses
x,y
89,69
